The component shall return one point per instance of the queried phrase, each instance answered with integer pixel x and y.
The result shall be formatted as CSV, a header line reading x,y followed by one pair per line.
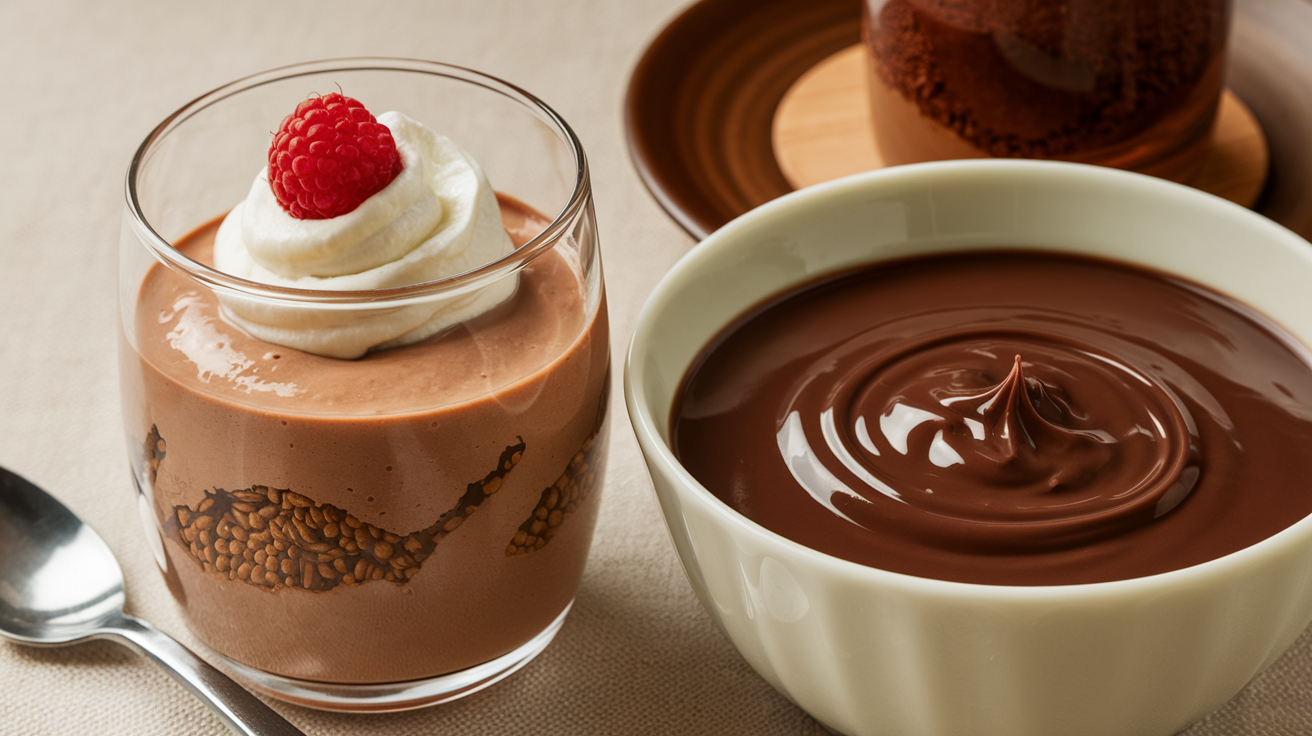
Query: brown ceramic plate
x,y
701,101
702,98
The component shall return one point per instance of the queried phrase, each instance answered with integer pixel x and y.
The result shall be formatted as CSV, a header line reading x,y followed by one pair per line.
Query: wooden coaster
x,y
822,131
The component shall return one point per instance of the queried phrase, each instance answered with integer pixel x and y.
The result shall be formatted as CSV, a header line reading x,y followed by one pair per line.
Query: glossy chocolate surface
x,y
1007,418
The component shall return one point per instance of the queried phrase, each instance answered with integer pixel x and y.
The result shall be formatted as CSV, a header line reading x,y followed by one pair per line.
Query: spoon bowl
x,y
60,584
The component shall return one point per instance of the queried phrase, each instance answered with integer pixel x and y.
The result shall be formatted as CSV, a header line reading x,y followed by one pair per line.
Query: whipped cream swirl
x,y
438,218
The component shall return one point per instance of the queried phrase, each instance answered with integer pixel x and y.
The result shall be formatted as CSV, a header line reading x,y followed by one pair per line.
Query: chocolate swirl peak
x,y
989,453
1025,428
1022,429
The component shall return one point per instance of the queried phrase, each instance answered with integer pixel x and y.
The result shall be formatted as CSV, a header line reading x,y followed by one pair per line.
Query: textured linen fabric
x,y
81,85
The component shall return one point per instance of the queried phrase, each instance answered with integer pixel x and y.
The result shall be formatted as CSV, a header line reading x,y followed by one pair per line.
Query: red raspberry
x,y
329,156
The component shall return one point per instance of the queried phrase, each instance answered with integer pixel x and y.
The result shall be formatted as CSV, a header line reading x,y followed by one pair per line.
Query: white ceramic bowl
x,y
867,651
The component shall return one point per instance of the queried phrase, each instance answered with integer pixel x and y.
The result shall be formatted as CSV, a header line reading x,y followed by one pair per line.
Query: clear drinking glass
x,y
1133,84
397,530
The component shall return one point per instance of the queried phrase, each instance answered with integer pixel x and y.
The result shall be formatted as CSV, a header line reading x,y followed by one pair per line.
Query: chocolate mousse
x,y
414,512
1126,84
1008,417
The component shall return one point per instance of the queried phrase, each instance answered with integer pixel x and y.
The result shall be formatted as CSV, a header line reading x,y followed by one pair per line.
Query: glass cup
x,y
1133,84
396,530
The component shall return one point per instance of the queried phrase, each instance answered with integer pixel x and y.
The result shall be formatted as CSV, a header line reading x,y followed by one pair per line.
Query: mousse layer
x,y
412,513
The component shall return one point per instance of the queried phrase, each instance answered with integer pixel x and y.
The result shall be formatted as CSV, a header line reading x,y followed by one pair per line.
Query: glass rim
x,y
217,280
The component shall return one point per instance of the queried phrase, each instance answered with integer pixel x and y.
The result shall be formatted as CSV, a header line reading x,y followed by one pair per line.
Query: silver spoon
x,y
60,584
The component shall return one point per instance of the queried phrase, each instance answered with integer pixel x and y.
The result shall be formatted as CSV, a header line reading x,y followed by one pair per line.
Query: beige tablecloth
x,y
80,85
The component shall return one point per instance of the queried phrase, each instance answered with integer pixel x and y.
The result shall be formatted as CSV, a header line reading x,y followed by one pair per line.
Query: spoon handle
x,y
235,706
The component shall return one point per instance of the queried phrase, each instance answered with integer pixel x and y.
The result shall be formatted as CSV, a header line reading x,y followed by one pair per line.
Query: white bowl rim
x,y
657,451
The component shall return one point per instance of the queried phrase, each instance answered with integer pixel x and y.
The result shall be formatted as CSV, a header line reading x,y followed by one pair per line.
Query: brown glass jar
x,y
1132,84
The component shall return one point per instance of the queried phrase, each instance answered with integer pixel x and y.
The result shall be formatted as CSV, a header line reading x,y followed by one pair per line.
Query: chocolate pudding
x,y
1009,417
1128,84
415,512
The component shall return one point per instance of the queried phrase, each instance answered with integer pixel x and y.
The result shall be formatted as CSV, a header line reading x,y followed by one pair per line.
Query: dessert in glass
x,y
365,404
1133,85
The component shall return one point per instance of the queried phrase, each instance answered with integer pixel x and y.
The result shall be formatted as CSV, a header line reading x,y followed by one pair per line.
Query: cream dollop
x,y
438,218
